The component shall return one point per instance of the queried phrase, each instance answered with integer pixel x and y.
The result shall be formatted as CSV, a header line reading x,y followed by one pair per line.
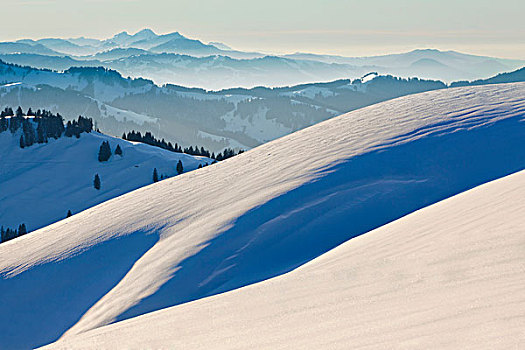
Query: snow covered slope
x,y
448,276
39,184
257,215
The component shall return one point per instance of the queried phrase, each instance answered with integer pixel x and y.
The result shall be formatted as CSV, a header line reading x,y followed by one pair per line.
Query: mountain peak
x,y
121,34
145,33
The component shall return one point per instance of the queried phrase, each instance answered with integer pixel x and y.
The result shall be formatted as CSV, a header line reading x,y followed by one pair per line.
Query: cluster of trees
x,y
8,234
104,152
39,126
76,127
150,139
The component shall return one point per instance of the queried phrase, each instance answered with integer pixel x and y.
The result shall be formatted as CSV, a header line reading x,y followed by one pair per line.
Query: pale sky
x,y
345,27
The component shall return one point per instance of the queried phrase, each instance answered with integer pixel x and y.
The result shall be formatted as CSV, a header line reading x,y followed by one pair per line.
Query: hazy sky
x,y
348,27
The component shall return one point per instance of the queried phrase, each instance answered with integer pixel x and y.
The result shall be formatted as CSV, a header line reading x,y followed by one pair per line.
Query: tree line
x,y
39,126
9,233
150,139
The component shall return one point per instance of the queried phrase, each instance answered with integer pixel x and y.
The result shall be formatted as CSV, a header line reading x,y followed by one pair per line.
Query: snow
x,y
124,115
264,213
42,182
257,126
11,85
310,92
449,276
231,143
368,77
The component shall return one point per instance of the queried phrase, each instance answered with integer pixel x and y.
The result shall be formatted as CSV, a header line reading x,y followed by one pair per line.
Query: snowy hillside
x,y
257,215
40,183
447,276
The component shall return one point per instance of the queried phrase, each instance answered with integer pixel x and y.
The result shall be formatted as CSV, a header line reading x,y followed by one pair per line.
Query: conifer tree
x,y
19,112
104,152
22,230
69,214
96,182
155,175
180,168
118,150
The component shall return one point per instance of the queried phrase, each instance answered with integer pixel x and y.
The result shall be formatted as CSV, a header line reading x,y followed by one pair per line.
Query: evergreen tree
x,y
155,175
96,182
180,168
19,112
3,123
118,150
22,230
69,214
22,143
29,132
104,152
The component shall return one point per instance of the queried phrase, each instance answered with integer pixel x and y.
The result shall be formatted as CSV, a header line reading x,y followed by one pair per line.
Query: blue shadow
x,y
349,199
61,292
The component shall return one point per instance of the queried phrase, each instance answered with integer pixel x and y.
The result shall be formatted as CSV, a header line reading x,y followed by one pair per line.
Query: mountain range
x,y
176,59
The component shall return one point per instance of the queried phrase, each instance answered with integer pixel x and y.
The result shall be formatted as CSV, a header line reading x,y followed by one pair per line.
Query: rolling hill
x,y
447,276
263,213
42,182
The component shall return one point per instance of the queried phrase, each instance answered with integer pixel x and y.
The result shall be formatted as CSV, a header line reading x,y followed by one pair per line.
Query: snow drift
x,y
447,276
257,215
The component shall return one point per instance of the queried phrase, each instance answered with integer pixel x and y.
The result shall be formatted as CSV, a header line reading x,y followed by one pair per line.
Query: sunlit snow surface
x,y
449,276
260,214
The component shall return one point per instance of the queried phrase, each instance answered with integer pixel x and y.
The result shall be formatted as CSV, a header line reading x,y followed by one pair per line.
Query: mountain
x,y
125,39
187,46
219,45
114,54
510,77
61,46
42,182
11,48
426,271
176,59
425,63
264,213
57,63
211,72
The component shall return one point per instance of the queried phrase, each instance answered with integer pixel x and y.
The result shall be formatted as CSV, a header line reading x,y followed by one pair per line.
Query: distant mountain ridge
x,y
236,118
176,59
